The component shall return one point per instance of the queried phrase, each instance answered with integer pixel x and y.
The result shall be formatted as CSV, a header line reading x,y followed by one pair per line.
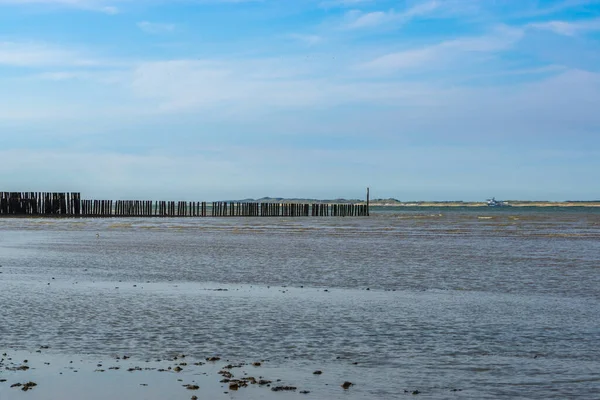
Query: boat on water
x,y
496,203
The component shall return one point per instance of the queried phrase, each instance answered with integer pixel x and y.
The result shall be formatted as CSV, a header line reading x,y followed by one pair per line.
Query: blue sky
x,y
218,99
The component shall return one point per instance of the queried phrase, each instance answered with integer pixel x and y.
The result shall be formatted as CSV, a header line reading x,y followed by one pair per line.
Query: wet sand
x,y
485,205
41,374
48,372
453,304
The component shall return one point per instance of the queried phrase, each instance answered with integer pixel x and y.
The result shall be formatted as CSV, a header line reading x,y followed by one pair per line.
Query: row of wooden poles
x,y
40,203
70,204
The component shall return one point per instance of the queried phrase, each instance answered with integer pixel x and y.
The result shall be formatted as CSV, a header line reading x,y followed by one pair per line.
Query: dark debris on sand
x,y
191,387
283,388
226,374
347,384
24,386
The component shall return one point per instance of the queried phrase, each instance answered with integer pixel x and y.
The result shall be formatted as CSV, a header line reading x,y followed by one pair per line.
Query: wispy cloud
x,y
240,86
344,3
34,55
109,10
109,77
155,27
357,19
336,73
91,5
309,40
502,39
539,8
118,171
568,28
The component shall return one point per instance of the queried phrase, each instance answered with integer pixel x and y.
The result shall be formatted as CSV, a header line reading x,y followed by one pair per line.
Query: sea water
x,y
452,302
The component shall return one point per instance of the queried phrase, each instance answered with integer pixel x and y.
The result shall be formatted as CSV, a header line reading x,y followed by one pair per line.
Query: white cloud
x,y
309,40
364,20
91,5
33,54
538,8
568,28
403,59
502,39
555,110
242,87
43,55
343,3
156,28
62,76
103,77
112,174
358,20
112,10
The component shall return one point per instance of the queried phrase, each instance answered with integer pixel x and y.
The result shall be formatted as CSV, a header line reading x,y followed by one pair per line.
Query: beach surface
x,y
46,375
465,303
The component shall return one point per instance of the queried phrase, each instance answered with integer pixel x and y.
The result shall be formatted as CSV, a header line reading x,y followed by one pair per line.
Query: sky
x,y
228,99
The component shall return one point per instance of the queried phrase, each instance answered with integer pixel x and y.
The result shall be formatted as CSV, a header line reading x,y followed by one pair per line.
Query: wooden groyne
x,y
71,205
40,203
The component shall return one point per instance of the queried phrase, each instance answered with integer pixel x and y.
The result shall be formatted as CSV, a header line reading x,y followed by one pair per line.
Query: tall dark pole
x,y
367,202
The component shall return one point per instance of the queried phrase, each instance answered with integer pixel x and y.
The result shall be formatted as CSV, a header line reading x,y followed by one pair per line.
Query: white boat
x,y
496,203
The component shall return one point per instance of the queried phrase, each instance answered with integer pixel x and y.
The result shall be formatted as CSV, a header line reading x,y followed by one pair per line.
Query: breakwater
x,y
72,205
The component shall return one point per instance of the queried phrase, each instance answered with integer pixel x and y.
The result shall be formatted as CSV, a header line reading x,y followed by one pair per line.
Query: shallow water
x,y
493,302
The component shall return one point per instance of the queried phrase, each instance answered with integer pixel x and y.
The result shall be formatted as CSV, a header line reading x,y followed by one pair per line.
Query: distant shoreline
x,y
396,203
483,204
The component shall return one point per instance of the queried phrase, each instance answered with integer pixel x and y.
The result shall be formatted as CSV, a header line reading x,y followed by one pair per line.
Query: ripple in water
x,y
505,306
